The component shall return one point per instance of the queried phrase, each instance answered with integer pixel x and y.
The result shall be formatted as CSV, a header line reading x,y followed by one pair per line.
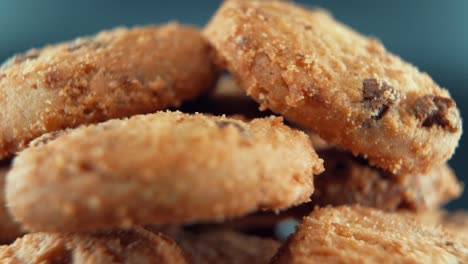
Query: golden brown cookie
x,y
454,222
324,76
350,180
136,246
224,246
160,168
113,74
9,230
359,235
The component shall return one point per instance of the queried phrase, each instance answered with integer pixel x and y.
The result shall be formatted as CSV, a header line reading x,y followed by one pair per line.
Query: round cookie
x,y
350,180
324,76
178,167
136,246
224,246
358,235
9,230
113,74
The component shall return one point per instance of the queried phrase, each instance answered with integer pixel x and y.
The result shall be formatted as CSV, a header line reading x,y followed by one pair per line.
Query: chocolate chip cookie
x,y
224,246
362,235
133,246
9,230
321,74
167,167
113,74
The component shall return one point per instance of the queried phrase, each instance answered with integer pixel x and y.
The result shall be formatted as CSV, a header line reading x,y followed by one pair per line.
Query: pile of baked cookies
x,y
126,147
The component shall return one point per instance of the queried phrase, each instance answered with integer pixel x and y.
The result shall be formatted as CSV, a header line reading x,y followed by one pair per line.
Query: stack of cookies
x,y
127,147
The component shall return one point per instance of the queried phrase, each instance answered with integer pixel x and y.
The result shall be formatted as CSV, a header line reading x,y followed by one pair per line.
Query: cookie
x,y
136,245
358,235
113,74
224,246
322,75
454,222
9,230
350,180
178,167
226,99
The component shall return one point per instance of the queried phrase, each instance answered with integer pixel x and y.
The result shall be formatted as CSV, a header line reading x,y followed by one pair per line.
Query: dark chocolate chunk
x,y
435,110
378,97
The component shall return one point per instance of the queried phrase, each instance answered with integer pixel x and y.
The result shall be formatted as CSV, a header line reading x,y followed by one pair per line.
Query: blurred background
x,y
431,34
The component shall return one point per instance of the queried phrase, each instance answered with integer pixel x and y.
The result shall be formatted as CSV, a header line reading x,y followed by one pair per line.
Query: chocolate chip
x,y
449,243
2,75
223,124
435,110
378,97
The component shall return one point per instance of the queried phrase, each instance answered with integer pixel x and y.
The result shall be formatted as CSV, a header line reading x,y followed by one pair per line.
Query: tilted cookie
x,y
160,168
359,235
113,74
324,76
350,180
224,246
133,246
9,230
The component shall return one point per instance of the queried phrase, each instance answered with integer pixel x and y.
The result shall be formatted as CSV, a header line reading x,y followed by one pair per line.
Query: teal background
x,y
431,34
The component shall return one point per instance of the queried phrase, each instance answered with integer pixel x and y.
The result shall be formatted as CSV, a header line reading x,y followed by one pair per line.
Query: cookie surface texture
x,y
9,230
134,246
359,235
225,246
322,75
178,167
113,74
